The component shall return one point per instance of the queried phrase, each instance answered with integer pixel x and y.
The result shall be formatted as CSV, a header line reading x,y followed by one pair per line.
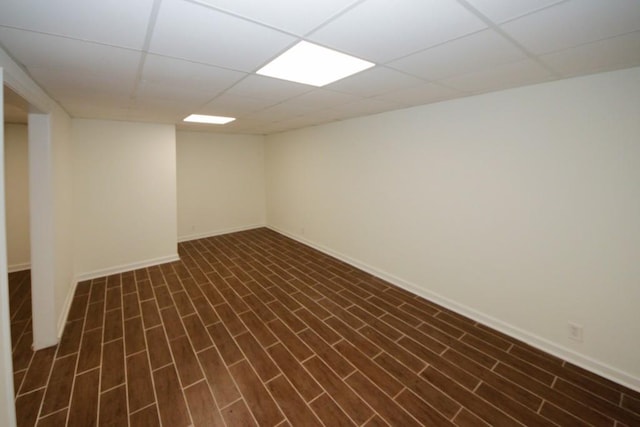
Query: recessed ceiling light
x,y
314,65
216,120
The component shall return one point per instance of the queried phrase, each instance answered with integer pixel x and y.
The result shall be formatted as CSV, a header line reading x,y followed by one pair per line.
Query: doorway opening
x,y
17,217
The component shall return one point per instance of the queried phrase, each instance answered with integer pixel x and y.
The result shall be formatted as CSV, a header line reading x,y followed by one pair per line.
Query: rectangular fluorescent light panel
x,y
216,120
314,65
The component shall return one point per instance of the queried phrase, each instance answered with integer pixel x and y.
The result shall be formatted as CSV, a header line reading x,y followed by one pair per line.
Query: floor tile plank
x,y
350,402
159,353
147,417
186,361
262,405
202,406
237,414
295,373
58,391
27,408
171,403
84,402
330,413
218,377
139,384
294,408
113,407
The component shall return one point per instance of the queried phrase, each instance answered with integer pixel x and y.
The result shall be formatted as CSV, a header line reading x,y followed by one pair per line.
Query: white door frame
x,y
41,199
7,407
41,208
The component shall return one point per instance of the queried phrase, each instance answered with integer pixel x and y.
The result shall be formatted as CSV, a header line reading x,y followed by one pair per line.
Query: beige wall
x,y
519,208
220,183
63,212
16,175
124,193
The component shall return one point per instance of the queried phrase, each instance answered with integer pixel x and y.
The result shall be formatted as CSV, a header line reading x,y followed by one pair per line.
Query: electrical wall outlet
x,y
575,332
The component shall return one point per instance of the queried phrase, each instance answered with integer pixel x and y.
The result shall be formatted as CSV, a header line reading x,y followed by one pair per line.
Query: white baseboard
x,y
62,321
126,267
18,267
543,344
206,234
39,345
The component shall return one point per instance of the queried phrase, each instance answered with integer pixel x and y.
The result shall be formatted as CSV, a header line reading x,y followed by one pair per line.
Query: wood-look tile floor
x,y
254,328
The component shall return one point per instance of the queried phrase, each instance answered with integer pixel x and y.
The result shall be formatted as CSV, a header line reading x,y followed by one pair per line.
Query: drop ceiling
x,y
161,60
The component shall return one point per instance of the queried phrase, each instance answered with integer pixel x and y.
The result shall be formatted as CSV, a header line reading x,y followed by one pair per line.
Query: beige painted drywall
x,y
220,183
63,213
16,178
519,207
124,195
50,216
51,225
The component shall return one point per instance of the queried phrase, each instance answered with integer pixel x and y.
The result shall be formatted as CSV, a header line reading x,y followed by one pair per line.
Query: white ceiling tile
x,y
295,16
157,116
382,30
89,110
278,112
114,22
324,115
188,75
166,70
273,128
504,10
59,83
99,100
500,77
603,55
180,108
461,56
198,33
320,98
366,106
149,118
268,88
102,105
97,113
164,109
375,81
315,118
176,94
196,127
574,23
233,105
243,125
293,124
36,50
76,73
424,94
